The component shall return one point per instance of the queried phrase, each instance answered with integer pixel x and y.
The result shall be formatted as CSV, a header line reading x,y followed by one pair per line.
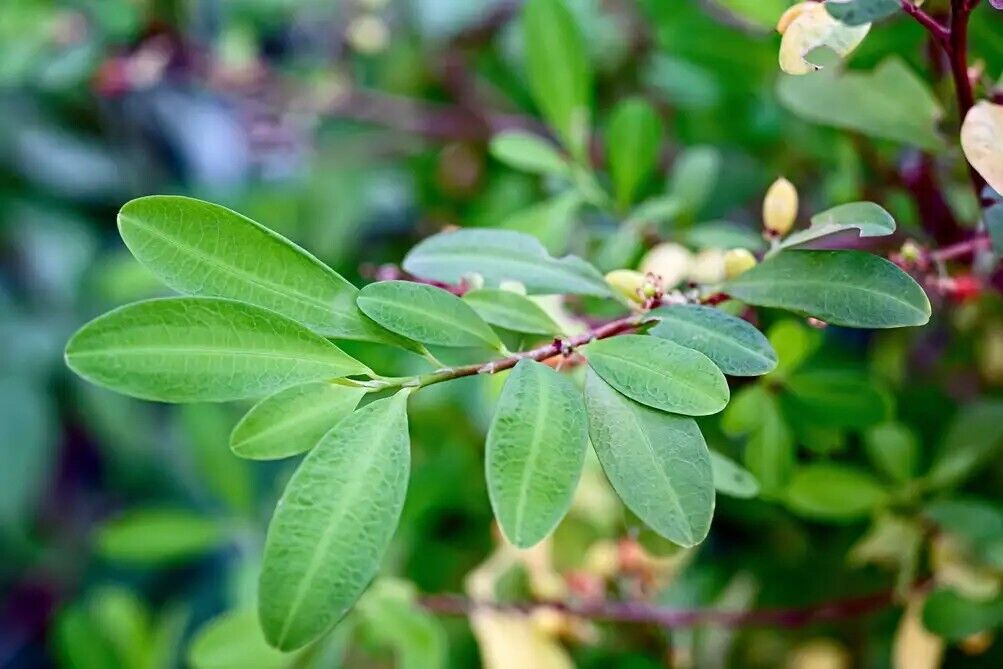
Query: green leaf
x,y
156,536
633,141
557,65
206,426
660,374
694,175
535,451
511,311
948,614
894,450
723,235
977,523
658,463
850,288
734,345
334,523
426,314
293,420
528,152
829,491
390,615
974,436
200,248
550,221
889,103
731,478
836,398
233,640
867,218
769,451
503,255
859,12
201,349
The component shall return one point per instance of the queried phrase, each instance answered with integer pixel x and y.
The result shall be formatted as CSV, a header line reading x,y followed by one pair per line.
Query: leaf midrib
x,y
733,341
358,482
280,425
278,289
760,283
192,350
542,410
424,315
666,373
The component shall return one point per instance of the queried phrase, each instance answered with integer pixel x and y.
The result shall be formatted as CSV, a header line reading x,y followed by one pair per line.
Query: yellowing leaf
x,y
812,28
513,640
914,647
982,142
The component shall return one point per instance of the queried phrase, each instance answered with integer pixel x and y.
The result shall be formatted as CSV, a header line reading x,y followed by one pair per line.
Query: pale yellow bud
x,y
603,559
780,207
819,654
512,286
669,261
549,620
737,261
628,283
792,13
368,34
473,281
707,267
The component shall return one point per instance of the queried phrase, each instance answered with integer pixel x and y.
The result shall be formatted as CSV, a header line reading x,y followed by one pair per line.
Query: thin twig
x,y
961,249
643,612
939,32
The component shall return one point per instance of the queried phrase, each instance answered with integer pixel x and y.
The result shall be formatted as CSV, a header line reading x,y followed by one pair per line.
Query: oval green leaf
x,y
946,613
557,64
528,152
200,248
633,141
511,311
156,536
866,218
841,398
202,349
334,523
292,420
731,478
503,255
233,640
425,314
535,451
834,492
734,345
658,463
850,288
660,374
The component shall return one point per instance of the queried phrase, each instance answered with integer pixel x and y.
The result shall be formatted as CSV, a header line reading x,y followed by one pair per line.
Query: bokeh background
x,y
357,128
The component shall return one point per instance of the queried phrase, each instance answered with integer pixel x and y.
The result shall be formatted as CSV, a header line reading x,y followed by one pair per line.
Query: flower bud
x,y
669,261
780,207
738,261
628,283
368,34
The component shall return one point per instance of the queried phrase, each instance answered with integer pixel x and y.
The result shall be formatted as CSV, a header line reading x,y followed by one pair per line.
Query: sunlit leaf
x,y
426,314
734,345
334,523
660,374
511,311
528,152
813,28
558,69
292,420
633,140
201,349
535,451
982,141
867,218
157,535
658,463
849,288
202,248
829,491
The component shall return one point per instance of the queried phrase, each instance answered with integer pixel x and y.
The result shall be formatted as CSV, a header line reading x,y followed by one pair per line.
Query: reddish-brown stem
x,y
939,32
557,347
643,612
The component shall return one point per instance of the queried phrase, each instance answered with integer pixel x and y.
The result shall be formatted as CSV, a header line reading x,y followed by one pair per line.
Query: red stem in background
x,y
643,612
